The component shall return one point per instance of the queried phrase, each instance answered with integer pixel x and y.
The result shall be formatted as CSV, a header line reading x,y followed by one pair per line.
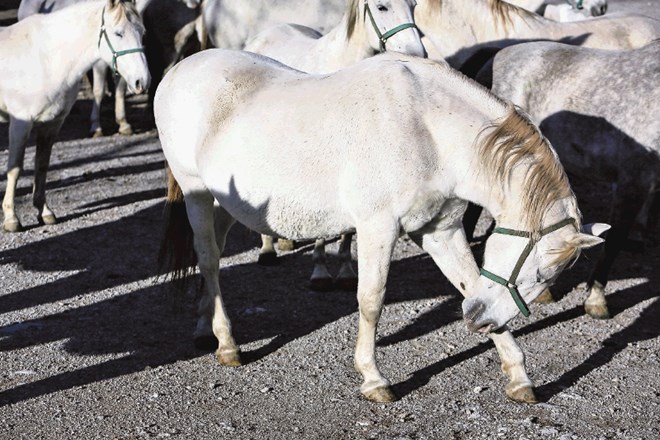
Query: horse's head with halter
x,y
536,267
391,11
120,34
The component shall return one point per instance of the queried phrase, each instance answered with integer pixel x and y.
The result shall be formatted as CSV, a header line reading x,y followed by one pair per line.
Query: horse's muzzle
x,y
473,314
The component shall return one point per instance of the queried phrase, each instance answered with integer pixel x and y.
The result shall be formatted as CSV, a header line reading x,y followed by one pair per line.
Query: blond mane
x,y
352,16
501,11
517,140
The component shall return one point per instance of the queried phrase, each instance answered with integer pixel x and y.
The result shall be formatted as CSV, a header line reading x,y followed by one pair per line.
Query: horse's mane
x,y
126,10
515,140
501,10
352,16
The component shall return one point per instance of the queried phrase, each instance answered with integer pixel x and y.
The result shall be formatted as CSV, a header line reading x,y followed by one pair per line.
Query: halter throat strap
x,y
534,238
388,34
115,54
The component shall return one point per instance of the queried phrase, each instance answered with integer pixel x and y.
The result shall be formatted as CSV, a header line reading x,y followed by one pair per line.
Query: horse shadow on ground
x,y
149,327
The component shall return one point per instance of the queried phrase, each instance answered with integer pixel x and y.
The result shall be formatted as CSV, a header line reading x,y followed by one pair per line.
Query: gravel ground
x,y
94,345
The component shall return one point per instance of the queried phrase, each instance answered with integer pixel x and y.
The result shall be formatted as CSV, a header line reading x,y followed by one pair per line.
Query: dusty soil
x,y
94,345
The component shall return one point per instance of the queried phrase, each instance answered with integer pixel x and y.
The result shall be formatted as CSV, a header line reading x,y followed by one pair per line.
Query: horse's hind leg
x,y
19,133
207,237
628,201
346,279
321,281
375,246
45,139
120,108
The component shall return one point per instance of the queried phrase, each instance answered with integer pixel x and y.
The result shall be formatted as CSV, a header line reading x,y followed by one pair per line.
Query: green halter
x,y
387,35
115,54
578,4
534,238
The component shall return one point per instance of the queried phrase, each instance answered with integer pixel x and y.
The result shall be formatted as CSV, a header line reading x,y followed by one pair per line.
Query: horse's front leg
x,y
120,108
267,254
19,133
45,139
450,251
374,254
200,209
98,90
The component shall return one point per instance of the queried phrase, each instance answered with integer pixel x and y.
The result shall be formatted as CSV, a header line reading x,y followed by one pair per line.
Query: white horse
x,y
398,145
100,69
231,23
579,9
366,28
601,111
457,30
42,61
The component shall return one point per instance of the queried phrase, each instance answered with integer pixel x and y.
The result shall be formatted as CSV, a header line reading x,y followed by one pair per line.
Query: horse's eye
x,y
119,34
382,8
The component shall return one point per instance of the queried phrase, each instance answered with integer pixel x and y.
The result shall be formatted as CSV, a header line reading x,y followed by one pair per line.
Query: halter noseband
x,y
115,54
534,238
579,4
388,34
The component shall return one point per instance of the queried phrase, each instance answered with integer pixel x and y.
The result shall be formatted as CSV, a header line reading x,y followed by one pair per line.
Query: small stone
x,y
265,390
478,390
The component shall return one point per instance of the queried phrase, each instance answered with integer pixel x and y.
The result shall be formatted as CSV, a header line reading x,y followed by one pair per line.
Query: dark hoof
x,y
125,130
268,259
321,284
380,394
229,358
206,343
97,133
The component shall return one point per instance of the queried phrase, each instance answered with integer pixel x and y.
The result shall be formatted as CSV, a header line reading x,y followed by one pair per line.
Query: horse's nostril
x,y
138,85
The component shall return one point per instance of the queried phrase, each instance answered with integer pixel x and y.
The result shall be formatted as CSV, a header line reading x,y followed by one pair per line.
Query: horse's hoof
x,y
12,226
380,394
545,297
597,311
349,284
206,343
48,219
231,358
268,259
97,133
125,129
285,245
321,284
523,394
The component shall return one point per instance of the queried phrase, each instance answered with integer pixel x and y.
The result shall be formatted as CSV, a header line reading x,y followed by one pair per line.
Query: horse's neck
x,y
73,40
335,51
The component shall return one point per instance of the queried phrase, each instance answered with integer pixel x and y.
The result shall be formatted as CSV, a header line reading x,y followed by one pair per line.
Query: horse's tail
x,y
176,258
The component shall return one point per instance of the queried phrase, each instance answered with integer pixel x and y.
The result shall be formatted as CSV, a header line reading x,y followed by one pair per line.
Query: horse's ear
x,y
596,229
111,4
589,236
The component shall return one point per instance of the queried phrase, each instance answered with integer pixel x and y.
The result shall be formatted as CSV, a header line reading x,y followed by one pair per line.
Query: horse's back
x,y
284,42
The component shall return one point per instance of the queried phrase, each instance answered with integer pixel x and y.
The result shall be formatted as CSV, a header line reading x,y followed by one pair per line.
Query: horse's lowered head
x,y
390,25
519,265
592,8
120,43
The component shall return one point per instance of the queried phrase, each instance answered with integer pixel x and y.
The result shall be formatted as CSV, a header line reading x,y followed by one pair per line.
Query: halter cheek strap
x,y
115,54
534,238
388,34
579,4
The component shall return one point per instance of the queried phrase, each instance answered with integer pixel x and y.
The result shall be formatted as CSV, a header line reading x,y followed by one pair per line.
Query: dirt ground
x,y
94,345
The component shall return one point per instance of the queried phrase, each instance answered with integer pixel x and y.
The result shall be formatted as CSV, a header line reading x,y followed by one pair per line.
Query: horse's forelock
x,y
352,16
126,10
515,140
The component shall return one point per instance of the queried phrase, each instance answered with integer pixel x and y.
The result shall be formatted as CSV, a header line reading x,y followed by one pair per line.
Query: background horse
x,y
600,111
231,23
457,30
437,140
44,59
365,29
586,8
